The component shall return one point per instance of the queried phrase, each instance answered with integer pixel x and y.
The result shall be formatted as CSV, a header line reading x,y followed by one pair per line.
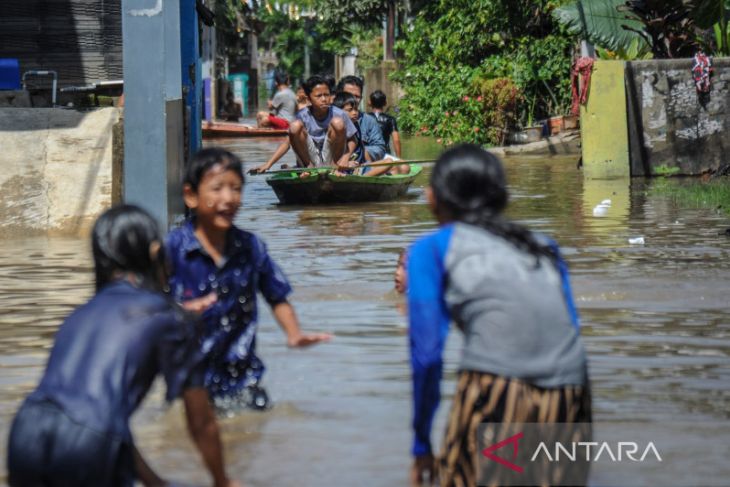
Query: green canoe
x,y
322,187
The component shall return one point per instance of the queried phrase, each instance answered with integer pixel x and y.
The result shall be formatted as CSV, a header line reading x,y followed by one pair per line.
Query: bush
x,y
511,53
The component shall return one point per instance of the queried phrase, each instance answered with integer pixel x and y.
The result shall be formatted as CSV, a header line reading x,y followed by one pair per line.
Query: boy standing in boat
x,y
322,134
218,269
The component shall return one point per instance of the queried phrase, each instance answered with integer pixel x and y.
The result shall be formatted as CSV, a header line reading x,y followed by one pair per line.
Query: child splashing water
x,y
507,291
73,430
217,269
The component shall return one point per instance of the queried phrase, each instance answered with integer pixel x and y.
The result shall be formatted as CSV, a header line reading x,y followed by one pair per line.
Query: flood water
x,y
655,321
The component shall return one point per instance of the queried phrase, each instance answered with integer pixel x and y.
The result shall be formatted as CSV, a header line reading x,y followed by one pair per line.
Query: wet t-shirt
x,y
107,353
284,104
388,124
317,129
230,325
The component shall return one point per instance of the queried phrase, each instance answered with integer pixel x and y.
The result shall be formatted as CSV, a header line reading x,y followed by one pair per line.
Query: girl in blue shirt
x,y
73,430
507,291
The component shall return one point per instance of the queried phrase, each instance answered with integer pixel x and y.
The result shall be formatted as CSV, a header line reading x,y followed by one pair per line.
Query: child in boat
x,y
388,124
322,135
348,104
283,107
212,260
507,290
302,103
370,134
74,428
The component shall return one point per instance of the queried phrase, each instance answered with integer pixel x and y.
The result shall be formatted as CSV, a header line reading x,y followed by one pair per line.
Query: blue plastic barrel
x,y
9,74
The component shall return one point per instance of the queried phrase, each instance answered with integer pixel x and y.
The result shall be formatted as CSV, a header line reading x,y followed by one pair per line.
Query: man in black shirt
x,y
388,123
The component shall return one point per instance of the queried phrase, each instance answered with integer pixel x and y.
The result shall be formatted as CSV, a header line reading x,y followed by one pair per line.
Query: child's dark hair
x,y
121,243
350,80
342,99
331,81
208,158
378,99
469,185
281,78
314,81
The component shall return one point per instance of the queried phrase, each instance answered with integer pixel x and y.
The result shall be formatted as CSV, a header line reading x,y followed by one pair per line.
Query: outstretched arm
x,y
287,319
203,429
280,151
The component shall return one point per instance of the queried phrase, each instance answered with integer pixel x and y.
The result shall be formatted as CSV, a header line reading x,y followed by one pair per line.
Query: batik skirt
x,y
485,404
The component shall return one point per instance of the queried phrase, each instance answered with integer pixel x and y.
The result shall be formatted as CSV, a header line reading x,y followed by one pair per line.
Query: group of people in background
x,y
329,129
184,307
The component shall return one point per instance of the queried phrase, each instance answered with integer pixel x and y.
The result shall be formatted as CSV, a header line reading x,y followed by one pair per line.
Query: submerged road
x,y
655,321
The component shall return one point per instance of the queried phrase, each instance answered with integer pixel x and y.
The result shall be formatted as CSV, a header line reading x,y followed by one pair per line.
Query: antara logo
x,y
575,451
623,450
514,441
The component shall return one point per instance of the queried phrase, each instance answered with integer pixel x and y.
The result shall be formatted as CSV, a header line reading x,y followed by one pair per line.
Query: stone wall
x,y
55,169
672,129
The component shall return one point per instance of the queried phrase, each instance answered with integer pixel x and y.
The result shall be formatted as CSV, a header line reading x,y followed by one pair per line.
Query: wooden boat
x,y
321,186
232,129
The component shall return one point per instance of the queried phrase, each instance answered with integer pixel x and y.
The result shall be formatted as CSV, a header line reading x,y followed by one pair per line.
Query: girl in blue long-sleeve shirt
x,y
507,290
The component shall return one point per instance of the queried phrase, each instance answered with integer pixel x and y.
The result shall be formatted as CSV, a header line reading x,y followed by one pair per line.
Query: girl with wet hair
x,y
507,291
126,243
74,428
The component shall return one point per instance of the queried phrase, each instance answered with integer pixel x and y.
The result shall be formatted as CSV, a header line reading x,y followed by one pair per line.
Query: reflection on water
x,y
654,317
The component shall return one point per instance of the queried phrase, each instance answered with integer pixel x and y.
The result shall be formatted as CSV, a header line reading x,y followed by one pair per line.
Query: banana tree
x,y
606,24
666,28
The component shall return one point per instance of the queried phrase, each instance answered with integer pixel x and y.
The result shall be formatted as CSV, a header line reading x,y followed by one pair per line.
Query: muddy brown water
x,y
655,320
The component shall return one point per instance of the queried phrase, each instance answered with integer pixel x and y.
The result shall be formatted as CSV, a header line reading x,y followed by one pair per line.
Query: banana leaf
x,y
601,23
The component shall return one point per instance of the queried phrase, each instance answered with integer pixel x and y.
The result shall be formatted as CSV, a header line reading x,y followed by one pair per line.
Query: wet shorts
x,y
46,447
278,122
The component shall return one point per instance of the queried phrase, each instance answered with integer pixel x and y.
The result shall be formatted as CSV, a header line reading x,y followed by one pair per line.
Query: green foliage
x,y
288,37
369,49
473,48
601,22
666,28
693,193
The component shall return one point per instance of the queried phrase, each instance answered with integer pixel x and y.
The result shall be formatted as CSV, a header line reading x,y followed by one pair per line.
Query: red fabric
x,y
278,123
701,72
580,71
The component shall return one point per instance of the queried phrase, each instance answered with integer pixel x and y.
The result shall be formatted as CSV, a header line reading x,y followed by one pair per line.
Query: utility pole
x,y
153,112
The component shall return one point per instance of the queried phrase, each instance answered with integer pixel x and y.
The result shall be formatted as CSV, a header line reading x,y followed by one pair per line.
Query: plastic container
x,y
239,86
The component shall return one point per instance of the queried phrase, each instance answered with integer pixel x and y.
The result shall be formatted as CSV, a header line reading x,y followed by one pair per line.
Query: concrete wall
x,y
379,79
55,169
672,129
603,123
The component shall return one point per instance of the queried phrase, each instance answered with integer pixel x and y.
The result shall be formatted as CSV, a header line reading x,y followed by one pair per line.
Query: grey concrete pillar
x,y
153,113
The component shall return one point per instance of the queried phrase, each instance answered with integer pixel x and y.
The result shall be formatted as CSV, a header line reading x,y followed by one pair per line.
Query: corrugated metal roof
x,y
79,39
